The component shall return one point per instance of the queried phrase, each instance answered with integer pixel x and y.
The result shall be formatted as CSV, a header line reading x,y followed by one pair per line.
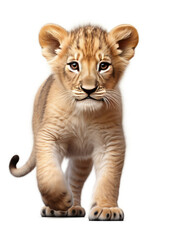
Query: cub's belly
x,y
79,148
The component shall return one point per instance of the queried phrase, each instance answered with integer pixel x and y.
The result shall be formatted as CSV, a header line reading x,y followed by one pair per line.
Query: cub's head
x,y
88,61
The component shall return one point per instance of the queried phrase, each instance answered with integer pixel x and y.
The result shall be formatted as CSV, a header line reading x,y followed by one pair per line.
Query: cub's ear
x,y
124,38
50,38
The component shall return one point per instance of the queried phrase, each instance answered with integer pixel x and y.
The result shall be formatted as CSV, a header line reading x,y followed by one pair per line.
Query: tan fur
x,y
87,131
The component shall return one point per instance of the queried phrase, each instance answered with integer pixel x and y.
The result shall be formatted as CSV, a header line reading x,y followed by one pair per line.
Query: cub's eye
x,y
103,66
73,66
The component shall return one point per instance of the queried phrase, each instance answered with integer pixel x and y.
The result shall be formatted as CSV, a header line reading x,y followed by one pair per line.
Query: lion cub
x,y
78,115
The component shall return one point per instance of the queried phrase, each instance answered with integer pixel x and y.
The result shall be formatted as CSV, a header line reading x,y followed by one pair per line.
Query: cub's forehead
x,y
88,40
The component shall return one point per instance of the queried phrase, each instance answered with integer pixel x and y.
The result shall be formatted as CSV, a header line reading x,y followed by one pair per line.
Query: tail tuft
x,y
22,171
13,162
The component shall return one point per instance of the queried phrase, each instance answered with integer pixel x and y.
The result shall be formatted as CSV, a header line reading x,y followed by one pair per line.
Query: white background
x,y
145,184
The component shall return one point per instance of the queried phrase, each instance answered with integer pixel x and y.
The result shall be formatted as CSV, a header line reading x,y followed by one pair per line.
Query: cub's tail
x,y
22,171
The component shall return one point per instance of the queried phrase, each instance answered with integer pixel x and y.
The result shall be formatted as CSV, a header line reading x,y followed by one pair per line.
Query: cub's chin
x,y
87,105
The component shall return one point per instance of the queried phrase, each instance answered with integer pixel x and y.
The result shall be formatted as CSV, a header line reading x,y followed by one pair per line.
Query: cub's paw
x,y
76,211
48,212
58,201
106,214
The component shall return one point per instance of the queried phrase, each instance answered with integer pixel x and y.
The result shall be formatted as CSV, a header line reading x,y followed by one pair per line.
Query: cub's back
x,y
41,101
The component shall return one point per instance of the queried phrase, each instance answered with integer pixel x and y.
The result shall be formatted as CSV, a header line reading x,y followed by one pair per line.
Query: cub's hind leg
x,y
76,174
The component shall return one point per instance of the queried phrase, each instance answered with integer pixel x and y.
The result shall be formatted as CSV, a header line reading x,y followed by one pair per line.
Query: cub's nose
x,y
89,91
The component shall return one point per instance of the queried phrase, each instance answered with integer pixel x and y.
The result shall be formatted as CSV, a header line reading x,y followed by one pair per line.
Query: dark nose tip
x,y
89,91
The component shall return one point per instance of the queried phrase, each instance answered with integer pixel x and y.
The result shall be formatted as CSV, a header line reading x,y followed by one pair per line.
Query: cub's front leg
x,y
108,166
51,182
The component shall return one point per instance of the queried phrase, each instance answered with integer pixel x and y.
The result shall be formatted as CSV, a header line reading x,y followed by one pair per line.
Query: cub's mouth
x,y
89,97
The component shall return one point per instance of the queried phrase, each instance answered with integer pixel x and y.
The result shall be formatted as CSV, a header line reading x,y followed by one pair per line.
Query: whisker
x,y
112,98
